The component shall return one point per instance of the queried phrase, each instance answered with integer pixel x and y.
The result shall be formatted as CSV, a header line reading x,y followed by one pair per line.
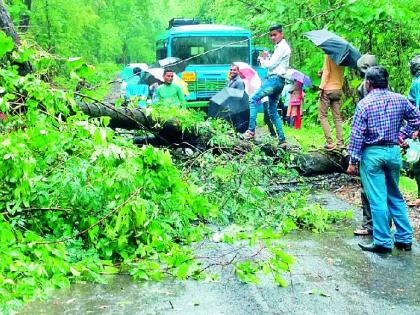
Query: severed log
x,y
6,25
321,162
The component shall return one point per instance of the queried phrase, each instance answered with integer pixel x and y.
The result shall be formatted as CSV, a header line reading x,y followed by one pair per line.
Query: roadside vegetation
x,y
79,201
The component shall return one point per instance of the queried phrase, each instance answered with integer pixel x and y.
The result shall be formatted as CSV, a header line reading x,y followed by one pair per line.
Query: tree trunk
x,y
24,18
6,25
312,163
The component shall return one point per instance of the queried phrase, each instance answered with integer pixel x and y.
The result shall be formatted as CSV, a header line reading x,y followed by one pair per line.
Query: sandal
x,y
248,135
283,144
329,147
362,232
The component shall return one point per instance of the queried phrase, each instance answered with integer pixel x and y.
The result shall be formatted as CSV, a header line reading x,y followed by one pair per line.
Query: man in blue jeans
x,y
375,135
272,86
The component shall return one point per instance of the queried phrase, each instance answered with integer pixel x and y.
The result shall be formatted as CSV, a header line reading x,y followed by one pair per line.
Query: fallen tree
x,y
172,132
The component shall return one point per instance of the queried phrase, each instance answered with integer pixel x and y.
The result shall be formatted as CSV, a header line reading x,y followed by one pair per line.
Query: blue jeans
x,y
271,87
380,171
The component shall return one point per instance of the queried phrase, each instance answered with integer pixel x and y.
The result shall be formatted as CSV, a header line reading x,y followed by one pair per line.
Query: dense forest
x,y
79,199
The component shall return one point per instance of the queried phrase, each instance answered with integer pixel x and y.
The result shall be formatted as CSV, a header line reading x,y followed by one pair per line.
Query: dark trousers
x,y
367,214
416,173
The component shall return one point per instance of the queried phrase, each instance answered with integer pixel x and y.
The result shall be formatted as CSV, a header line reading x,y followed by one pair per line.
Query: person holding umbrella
x,y
330,93
272,86
339,53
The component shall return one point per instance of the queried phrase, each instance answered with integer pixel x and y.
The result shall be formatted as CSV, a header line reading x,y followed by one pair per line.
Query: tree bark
x,y
6,25
308,164
24,18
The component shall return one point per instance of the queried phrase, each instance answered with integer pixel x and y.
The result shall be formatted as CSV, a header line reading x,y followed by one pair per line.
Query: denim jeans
x,y
271,87
380,171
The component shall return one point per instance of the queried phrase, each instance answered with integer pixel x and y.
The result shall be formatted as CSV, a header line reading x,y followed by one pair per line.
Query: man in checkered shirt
x,y
374,144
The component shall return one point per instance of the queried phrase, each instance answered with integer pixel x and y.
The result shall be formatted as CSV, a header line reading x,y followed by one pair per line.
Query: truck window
x,y
161,49
187,47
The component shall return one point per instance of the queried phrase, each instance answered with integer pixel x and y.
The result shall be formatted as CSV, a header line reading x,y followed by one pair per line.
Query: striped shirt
x,y
378,120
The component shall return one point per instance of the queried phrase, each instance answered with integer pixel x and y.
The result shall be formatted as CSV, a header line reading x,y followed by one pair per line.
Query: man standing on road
x,y
169,93
375,135
414,98
363,64
235,81
272,86
330,92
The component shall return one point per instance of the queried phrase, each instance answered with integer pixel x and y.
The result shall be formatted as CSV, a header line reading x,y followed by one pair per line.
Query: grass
x,y
408,186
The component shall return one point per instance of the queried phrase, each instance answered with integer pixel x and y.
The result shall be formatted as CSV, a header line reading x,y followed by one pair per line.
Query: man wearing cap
x,y
272,86
375,135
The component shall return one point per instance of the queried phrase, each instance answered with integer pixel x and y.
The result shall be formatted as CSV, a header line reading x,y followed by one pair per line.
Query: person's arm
x,y
155,97
412,116
181,97
357,136
275,59
412,95
325,73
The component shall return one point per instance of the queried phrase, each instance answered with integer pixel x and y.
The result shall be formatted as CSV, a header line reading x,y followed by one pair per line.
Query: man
x,y
374,142
414,98
235,81
363,64
136,89
169,93
272,86
330,92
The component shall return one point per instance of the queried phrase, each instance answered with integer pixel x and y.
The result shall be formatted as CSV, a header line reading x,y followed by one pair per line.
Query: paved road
x,y
331,276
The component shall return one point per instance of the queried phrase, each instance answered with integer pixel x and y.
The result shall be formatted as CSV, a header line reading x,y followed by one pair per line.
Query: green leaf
x,y
6,44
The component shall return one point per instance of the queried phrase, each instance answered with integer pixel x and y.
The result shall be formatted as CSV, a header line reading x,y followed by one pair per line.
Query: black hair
x,y
233,65
415,66
167,70
276,27
378,77
136,70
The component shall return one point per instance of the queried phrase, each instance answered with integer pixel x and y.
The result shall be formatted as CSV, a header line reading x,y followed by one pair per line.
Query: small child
x,y
295,107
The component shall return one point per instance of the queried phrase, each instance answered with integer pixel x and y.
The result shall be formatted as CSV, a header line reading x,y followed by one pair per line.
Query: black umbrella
x,y
231,105
340,50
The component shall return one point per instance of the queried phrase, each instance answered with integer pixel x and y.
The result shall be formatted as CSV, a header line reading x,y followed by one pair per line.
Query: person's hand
x,y
402,143
264,54
415,135
319,93
352,170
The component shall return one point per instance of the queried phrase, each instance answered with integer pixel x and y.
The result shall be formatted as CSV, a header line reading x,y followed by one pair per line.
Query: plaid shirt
x,y
378,120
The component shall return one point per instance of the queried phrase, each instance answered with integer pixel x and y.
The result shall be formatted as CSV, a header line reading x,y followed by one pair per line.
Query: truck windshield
x,y
186,47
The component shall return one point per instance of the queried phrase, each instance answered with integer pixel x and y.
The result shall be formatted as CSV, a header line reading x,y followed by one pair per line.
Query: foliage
x,y
72,181
100,31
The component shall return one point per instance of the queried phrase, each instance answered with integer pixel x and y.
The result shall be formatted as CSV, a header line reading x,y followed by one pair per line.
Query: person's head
x,y
137,71
276,33
365,62
415,66
234,71
376,78
168,76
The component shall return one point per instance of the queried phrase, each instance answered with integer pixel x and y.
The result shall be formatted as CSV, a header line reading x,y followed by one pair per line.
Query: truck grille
x,y
206,88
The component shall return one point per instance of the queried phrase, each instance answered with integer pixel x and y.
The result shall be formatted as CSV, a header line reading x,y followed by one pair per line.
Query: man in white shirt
x,y
272,86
